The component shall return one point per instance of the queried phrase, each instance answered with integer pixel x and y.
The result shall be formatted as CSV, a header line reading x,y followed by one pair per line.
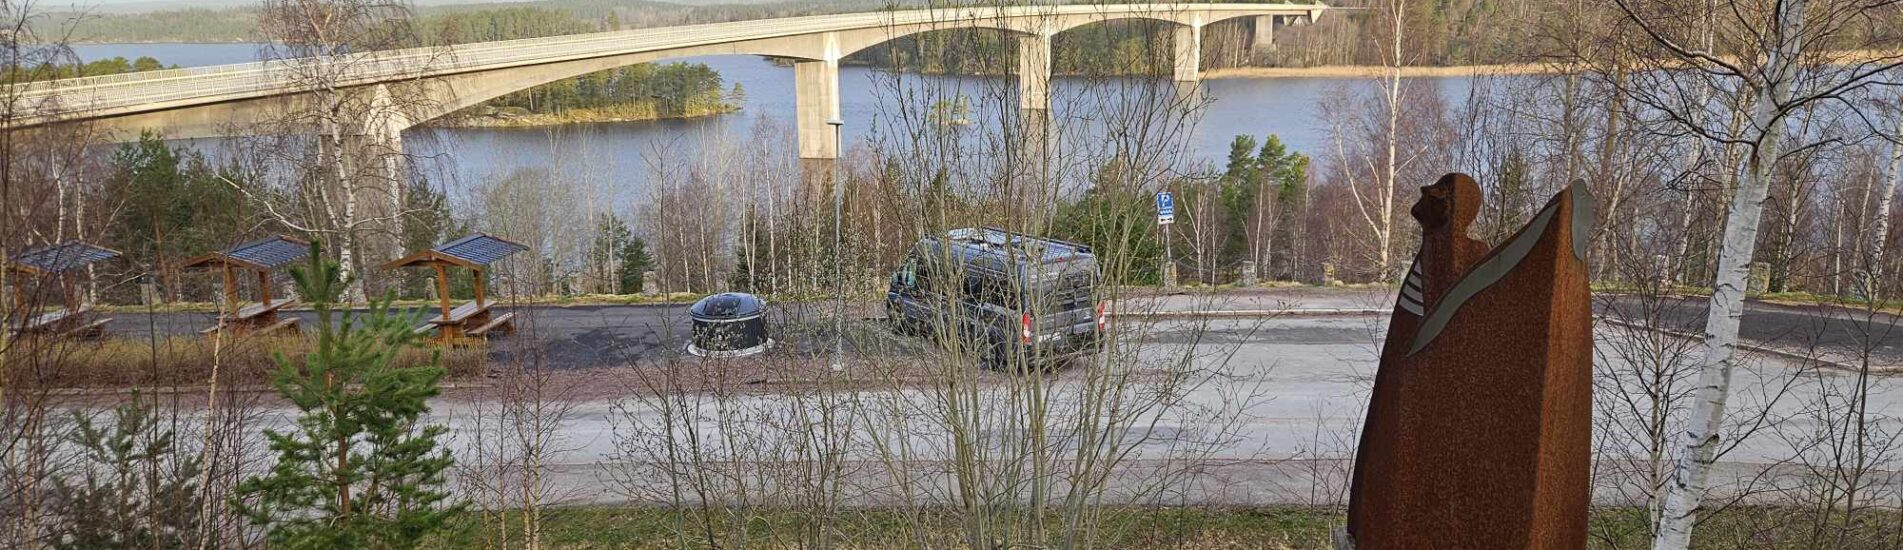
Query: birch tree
x,y
1779,57
1870,276
348,178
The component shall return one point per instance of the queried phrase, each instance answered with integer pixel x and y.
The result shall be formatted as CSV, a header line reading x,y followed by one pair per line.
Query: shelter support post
x,y
442,288
231,290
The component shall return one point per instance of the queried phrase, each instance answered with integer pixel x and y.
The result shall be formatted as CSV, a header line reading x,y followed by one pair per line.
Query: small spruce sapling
x,y
132,488
357,471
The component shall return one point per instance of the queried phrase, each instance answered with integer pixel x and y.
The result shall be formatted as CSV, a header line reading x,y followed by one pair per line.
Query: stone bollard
x,y
1248,273
1169,275
1760,276
148,292
650,284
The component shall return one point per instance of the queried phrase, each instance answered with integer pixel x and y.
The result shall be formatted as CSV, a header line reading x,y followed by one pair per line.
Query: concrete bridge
x,y
357,105
382,93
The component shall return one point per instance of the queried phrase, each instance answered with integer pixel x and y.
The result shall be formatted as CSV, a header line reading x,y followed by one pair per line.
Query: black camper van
x,y
1008,296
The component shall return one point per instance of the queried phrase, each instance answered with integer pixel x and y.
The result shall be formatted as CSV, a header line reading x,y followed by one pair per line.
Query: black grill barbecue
x,y
729,325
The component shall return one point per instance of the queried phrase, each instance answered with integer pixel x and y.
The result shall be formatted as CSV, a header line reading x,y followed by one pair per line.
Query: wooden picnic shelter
x,y
261,257
55,262
473,318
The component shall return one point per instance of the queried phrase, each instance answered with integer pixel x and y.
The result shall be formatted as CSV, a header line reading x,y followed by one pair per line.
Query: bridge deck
x,y
123,94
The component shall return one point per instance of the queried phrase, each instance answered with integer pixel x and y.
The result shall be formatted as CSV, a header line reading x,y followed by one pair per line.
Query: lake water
x,y
623,152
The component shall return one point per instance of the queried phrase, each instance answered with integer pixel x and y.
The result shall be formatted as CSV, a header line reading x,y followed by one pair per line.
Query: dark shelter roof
x,y
62,257
480,248
473,251
267,253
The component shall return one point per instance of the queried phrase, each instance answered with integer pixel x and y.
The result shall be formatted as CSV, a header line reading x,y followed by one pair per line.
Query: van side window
x,y
908,274
990,290
922,276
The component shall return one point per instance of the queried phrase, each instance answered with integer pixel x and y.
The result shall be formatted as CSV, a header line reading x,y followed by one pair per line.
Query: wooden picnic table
x,y
461,313
471,319
64,323
49,319
256,318
455,325
254,311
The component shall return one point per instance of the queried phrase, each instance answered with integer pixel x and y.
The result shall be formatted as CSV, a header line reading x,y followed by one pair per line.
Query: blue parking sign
x,y
1165,208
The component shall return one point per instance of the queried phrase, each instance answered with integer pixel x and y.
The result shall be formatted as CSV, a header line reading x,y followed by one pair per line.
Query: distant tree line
x,y
102,67
1251,215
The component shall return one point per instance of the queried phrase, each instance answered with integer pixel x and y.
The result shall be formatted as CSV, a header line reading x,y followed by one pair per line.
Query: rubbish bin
x,y
732,324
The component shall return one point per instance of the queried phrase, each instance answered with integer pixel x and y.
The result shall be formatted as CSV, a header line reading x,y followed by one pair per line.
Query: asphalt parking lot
x,y
586,336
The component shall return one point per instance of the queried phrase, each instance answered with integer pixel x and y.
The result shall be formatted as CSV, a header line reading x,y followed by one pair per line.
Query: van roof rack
x,y
1001,238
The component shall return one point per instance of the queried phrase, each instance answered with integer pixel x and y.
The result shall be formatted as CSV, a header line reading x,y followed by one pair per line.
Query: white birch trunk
x,y
1389,185
1872,273
1690,476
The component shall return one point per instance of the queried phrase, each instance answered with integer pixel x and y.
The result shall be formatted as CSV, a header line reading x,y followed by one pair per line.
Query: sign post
x,y
1166,215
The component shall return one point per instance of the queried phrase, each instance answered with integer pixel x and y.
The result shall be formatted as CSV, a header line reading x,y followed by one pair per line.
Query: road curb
x,y
241,388
1785,354
1248,313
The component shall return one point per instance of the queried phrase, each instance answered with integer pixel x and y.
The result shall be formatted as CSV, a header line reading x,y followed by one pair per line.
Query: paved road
x,y
1836,333
1270,418
1268,414
598,336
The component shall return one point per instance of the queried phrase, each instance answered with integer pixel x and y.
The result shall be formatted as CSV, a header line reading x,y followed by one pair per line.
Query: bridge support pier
x,y
816,101
816,94
1034,72
1188,43
377,171
1264,40
1034,127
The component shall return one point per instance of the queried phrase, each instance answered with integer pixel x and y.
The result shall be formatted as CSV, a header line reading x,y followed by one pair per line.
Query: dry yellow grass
x,y
186,361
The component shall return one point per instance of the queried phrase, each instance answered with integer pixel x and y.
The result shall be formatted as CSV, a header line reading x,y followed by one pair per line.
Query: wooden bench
x,y
90,330
50,320
460,314
283,324
499,322
61,323
255,319
255,310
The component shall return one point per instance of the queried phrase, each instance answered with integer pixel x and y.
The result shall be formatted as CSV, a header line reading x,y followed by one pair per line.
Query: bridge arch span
x,y
1035,32
217,101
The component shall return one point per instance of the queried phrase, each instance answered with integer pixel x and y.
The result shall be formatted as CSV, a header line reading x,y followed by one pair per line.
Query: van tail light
x,y
1024,331
1103,315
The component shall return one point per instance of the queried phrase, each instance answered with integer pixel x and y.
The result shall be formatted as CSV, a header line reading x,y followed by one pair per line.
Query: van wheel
x,y
897,321
996,358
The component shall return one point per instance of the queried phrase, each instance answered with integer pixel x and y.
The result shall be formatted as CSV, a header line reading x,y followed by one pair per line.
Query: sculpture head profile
x,y
1450,204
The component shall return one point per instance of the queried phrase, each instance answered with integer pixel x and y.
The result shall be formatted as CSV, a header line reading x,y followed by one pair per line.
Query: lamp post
x,y
839,279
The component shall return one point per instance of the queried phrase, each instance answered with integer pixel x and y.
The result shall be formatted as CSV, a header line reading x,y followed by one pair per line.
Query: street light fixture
x,y
839,279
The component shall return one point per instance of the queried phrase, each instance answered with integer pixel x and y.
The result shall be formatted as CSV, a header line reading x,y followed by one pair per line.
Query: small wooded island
x,y
645,91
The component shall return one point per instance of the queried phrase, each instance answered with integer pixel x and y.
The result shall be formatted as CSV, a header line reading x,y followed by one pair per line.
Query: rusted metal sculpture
x,y
1478,430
